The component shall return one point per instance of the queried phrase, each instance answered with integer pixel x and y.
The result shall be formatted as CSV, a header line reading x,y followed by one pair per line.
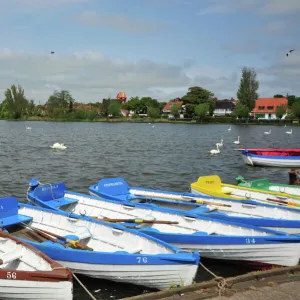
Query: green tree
x,y
174,110
133,104
60,99
241,110
280,111
278,96
16,102
105,105
247,92
189,110
202,110
153,112
197,95
91,115
296,109
114,109
80,114
292,99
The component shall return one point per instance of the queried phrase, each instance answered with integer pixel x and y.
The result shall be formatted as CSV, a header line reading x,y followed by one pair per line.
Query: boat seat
x,y
226,190
12,255
63,201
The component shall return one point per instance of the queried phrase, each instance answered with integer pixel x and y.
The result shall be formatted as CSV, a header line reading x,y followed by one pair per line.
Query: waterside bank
x,y
206,120
275,284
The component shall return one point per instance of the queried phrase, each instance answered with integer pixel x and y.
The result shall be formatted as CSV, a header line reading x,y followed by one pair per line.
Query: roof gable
x,y
269,105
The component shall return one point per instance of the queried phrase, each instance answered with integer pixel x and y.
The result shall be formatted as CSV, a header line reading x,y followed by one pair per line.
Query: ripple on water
x,y
167,156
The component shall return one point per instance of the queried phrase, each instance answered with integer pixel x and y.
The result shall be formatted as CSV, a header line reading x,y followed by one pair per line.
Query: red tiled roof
x,y
170,103
267,102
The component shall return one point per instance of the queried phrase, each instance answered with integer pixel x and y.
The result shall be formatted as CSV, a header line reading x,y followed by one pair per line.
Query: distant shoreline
x,y
206,121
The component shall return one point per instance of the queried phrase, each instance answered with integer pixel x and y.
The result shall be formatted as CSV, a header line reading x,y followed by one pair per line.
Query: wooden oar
x,y
191,199
283,202
72,242
135,221
47,235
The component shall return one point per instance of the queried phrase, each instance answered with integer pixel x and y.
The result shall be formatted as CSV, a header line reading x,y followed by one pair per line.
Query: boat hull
x,y
28,289
161,277
248,249
271,161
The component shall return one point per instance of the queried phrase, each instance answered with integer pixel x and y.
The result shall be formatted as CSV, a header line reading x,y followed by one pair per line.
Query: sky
x,y
155,48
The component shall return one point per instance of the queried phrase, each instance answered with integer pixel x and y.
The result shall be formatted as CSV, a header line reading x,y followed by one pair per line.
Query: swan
x,y
268,132
220,144
289,132
215,151
238,141
29,128
229,128
58,146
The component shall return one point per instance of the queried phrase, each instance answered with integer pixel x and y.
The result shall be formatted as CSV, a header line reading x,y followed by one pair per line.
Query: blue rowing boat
x,y
98,249
213,238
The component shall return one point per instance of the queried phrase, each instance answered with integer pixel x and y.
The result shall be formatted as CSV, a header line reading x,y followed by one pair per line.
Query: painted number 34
x,y
11,275
250,241
142,260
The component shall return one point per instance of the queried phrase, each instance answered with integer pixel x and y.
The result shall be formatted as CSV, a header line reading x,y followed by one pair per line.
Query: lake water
x,y
166,156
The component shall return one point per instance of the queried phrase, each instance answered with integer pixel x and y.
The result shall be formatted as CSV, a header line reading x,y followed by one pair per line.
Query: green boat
x,y
265,185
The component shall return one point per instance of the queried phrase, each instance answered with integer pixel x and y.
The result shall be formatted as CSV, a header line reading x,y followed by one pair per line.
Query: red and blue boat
x,y
272,157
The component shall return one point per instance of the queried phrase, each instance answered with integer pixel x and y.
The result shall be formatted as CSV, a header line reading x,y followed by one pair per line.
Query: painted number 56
x,y
11,275
142,260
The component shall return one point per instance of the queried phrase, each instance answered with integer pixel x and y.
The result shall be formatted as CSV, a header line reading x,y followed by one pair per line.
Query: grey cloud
x,y
118,22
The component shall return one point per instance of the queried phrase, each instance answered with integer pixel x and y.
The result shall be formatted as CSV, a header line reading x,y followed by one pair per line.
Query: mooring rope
x,y
222,283
84,287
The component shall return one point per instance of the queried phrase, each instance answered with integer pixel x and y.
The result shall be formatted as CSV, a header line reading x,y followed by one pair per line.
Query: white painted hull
x,y
270,162
26,289
256,195
237,208
187,225
155,276
285,189
285,254
104,238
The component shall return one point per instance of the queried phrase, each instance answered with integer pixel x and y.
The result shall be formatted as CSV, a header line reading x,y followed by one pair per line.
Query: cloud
x,y
116,21
266,7
90,76
283,75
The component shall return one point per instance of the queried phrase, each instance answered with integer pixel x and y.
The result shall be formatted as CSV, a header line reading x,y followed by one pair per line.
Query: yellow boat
x,y
213,186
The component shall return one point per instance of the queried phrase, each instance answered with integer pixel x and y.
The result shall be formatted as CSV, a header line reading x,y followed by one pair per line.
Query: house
x,y
167,107
224,107
265,108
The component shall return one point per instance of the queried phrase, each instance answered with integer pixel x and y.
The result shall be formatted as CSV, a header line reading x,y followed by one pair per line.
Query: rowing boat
x,y
213,186
212,237
99,249
265,185
26,273
271,157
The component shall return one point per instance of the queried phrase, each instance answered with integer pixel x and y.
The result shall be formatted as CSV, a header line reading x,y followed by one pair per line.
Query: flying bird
x,y
52,52
290,52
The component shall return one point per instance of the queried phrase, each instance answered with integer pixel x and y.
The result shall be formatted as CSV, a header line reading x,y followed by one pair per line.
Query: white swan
x,y
215,151
58,146
29,128
267,132
238,141
220,144
289,132
229,128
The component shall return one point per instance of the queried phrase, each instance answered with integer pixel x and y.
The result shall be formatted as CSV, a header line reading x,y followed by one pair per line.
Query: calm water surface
x,y
166,156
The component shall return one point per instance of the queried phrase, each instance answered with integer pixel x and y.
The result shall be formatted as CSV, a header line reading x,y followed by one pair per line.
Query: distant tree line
x,y
198,103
